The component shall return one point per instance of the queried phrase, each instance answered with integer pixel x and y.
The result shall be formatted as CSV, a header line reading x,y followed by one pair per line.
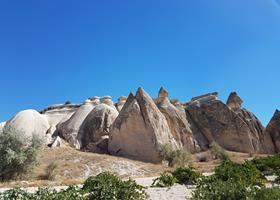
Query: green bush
x,y
231,181
267,165
174,156
218,151
104,186
107,186
71,193
181,175
245,173
186,175
166,179
267,194
18,154
214,189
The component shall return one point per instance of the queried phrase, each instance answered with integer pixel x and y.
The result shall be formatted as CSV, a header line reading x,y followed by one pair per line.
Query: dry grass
x,y
75,166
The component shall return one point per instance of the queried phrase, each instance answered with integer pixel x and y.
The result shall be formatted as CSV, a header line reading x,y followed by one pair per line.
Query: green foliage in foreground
x,y
18,153
267,165
231,181
104,186
182,175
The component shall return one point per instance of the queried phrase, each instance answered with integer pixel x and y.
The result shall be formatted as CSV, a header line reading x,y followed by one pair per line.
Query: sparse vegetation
x,y
52,170
181,175
267,165
218,151
166,179
104,186
230,181
18,154
174,156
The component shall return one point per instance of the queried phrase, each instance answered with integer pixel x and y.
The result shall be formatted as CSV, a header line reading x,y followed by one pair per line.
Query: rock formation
x,y
29,122
121,101
177,122
94,131
273,128
69,129
140,130
235,130
58,114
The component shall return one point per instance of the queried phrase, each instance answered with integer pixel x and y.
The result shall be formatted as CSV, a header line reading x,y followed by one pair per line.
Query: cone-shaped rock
x,y
177,122
273,128
140,129
69,129
234,101
94,131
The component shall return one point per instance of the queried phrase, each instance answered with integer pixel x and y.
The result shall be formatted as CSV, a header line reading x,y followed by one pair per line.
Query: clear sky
x,y
57,50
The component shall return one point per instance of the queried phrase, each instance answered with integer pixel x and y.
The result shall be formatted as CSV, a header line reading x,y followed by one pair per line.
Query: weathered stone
x,y
29,122
177,122
57,143
69,129
95,126
236,130
273,128
140,130
234,101
121,102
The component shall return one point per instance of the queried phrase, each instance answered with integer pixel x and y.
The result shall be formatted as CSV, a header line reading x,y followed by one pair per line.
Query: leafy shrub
x,y
71,193
267,194
51,170
218,151
211,188
186,175
174,156
18,154
268,165
104,186
182,175
107,186
166,179
246,173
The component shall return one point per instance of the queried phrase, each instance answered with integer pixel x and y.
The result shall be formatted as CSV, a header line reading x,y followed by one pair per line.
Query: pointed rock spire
x,y
162,93
234,101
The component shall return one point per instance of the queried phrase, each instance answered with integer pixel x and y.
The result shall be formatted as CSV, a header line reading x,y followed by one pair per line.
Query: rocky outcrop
x,y
234,102
234,129
69,129
121,101
177,122
263,140
2,124
273,129
94,131
58,114
29,122
140,129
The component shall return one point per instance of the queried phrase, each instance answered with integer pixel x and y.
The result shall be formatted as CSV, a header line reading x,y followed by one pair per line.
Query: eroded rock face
x,y
140,130
121,102
235,130
94,131
273,128
70,128
29,122
177,122
58,114
234,101
263,140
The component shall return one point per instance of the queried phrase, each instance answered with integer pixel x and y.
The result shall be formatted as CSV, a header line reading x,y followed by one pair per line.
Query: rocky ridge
x,y
137,126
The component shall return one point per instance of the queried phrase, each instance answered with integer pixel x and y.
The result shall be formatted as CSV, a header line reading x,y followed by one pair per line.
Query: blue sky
x,y
53,51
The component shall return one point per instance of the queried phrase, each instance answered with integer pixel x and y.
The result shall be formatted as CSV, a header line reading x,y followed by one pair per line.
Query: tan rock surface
x,y
140,129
